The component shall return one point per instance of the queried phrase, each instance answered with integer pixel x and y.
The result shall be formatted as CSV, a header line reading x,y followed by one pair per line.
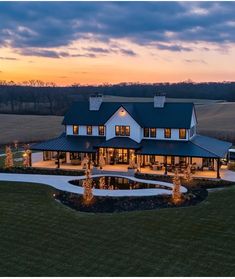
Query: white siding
x,y
193,119
124,120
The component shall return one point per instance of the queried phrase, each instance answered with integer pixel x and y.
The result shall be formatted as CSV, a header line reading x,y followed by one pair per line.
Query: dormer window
x,y
75,129
167,133
101,130
182,133
89,130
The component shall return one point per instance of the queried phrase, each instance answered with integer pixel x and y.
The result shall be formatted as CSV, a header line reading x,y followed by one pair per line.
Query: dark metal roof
x,y
69,143
120,142
218,147
199,146
172,115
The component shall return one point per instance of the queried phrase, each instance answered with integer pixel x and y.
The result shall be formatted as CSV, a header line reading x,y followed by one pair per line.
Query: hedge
x,y
42,171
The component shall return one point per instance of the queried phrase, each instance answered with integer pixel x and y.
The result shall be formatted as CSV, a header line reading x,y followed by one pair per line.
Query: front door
x,y
122,156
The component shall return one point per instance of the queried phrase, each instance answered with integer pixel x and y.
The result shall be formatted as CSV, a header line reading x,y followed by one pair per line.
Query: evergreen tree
x,y
9,163
176,194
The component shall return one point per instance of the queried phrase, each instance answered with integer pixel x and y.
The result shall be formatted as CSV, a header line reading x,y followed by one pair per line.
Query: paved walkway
x,y
60,182
227,175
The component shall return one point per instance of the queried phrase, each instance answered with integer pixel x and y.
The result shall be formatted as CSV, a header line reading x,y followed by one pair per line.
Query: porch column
x,y
58,159
165,158
143,160
218,168
30,158
97,156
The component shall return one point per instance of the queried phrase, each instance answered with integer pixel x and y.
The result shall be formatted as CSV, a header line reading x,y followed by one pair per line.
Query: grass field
x,y
215,119
29,128
40,237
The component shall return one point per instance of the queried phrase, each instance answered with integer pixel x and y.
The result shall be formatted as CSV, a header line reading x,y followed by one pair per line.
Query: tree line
x,y
37,97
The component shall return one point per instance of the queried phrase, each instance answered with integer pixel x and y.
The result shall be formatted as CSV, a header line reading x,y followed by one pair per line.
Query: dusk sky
x,y
97,42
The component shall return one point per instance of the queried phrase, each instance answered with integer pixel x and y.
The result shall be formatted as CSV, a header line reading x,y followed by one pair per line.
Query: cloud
x,y
98,49
168,25
8,58
195,61
112,49
43,53
173,47
128,52
52,53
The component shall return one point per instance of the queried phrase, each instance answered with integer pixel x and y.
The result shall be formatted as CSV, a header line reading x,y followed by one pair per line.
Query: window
x,y
101,130
146,132
182,133
153,132
167,133
122,130
89,130
75,129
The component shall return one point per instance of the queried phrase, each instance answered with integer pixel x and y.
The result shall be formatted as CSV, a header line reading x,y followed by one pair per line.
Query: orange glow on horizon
x,y
148,66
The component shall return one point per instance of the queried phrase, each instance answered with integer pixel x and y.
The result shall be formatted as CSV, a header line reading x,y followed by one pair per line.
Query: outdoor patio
x,y
119,168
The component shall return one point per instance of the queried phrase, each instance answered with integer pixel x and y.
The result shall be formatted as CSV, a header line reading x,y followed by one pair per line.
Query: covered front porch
x,y
126,161
122,154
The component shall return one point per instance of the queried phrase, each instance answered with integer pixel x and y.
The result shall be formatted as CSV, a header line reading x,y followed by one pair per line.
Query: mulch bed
x,y
120,204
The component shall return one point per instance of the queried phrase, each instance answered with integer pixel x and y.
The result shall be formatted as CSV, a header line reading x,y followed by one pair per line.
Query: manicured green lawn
x,y
40,237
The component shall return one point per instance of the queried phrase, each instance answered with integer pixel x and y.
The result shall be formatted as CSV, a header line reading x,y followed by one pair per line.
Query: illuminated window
x,y
89,130
167,133
182,133
101,130
122,130
146,132
75,129
153,132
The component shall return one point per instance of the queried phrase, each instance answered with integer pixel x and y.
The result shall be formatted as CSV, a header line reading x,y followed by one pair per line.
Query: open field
x,y
40,237
215,119
29,128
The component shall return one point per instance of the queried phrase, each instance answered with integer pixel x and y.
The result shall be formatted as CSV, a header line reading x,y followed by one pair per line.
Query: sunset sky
x,y
98,42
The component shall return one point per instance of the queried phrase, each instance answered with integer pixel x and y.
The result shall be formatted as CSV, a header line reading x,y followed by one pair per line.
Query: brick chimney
x,y
159,100
95,101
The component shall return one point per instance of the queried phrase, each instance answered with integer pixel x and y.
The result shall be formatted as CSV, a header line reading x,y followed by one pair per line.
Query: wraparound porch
x,y
202,167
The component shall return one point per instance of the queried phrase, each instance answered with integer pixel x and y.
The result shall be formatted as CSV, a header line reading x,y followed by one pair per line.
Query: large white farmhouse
x,y
159,135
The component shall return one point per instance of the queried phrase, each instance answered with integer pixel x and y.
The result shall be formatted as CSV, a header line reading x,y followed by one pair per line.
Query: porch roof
x,y
69,143
120,142
198,146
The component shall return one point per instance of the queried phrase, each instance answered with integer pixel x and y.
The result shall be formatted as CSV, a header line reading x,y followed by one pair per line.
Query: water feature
x,y
118,183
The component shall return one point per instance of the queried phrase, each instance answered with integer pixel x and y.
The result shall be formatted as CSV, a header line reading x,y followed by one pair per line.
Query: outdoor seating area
x,y
151,168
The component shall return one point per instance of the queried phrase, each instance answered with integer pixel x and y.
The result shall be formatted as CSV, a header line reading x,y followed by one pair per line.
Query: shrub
x,y
42,171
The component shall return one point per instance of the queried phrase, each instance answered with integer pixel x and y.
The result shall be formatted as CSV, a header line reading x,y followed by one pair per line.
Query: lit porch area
x,y
208,170
122,154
